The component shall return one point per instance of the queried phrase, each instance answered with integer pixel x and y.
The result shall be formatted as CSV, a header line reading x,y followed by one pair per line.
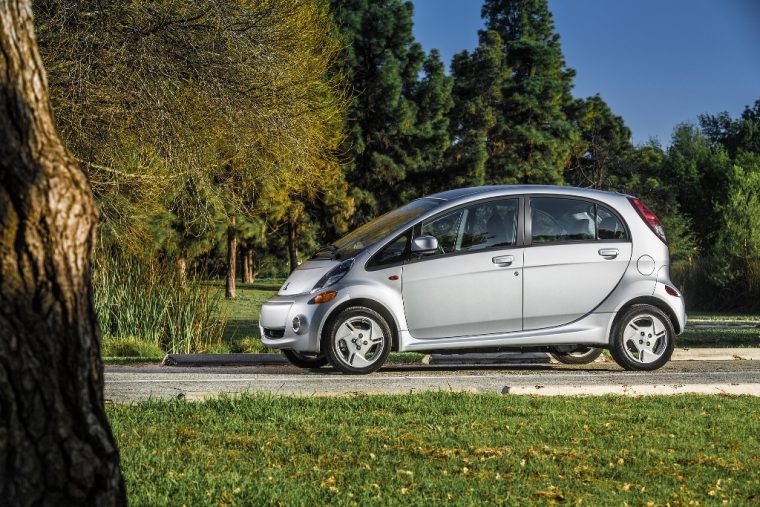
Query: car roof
x,y
463,193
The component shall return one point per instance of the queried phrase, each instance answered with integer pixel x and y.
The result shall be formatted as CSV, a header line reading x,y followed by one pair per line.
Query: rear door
x,y
473,284
576,254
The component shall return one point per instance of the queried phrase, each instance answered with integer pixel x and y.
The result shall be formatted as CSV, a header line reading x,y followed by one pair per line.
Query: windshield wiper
x,y
329,247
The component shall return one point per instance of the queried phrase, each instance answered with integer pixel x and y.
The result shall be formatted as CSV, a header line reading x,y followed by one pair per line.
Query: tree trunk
x,y
251,270
230,290
246,253
293,253
56,447
182,269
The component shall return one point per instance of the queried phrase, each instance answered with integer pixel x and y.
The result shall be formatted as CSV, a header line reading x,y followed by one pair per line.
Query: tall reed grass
x,y
148,302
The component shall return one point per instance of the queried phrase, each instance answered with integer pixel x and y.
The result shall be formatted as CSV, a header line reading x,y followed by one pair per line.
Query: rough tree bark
x,y
292,236
56,447
230,289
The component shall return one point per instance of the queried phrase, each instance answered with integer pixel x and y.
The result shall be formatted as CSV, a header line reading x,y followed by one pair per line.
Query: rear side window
x,y
610,226
555,219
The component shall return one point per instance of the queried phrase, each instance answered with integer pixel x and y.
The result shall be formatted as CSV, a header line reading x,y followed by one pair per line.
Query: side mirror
x,y
424,245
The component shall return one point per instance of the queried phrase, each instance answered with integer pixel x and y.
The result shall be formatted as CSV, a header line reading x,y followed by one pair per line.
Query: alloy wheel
x,y
645,338
359,341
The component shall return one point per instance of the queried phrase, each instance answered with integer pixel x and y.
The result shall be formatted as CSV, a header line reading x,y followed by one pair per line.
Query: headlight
x,y
334,275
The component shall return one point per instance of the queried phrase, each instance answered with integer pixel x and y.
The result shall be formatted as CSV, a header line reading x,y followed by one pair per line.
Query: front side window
x,y
446,229
491,224
391,254
561,219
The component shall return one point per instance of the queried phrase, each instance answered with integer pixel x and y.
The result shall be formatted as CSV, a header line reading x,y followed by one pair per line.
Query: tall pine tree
x,y
381,62
429,141
532,139
478,79
600,157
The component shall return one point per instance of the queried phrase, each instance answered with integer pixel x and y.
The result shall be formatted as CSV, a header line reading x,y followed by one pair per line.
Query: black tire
x,y
306,361
621,342
343,352
584,355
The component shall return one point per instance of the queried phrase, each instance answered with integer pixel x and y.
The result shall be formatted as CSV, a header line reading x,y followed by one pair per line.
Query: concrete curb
x,y
734,354
223,360
496,358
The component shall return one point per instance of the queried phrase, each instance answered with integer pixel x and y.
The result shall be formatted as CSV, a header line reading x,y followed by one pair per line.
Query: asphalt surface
x,y
126,384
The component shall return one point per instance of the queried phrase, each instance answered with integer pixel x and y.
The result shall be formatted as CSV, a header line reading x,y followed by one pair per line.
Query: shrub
x,y
146,301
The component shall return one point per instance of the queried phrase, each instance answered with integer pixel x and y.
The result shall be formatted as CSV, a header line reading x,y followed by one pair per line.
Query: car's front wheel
x,y
642,339
302,360
583,355
358,341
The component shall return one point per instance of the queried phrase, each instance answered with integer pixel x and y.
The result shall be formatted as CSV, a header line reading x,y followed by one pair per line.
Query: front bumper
x,y
276,322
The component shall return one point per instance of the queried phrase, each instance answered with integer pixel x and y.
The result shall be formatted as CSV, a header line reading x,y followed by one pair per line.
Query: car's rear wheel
x,y
358,341
303,360
583,355
643,338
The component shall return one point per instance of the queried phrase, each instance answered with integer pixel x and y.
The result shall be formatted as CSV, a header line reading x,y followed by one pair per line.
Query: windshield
x,y
377,229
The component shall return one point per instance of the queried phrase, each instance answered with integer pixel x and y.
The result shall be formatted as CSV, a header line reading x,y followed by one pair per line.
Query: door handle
x,y
609,253
503,260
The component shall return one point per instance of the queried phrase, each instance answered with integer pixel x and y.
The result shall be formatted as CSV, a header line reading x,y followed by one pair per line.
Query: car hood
x,y
306,276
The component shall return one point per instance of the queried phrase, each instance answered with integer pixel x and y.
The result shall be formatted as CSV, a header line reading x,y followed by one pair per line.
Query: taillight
x,y
672,291
650,218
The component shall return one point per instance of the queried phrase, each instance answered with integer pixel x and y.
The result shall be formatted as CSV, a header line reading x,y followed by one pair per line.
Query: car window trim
x,y
519,242
524,238
529,218
407,252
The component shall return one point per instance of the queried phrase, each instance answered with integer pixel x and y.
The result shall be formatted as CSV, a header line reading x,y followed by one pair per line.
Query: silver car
x,y
564,270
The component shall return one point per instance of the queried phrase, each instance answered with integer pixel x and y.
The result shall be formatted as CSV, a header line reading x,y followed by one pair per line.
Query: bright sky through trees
x,y
655,63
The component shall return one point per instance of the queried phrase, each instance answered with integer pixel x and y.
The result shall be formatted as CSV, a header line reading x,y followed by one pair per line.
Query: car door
x,y
473,284
577,251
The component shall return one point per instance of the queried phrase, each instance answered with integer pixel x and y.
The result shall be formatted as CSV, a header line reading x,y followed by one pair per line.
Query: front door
x,y
579,253
473,284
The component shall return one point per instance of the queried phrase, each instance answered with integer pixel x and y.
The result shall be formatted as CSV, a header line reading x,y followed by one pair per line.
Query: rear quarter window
x,y
562,219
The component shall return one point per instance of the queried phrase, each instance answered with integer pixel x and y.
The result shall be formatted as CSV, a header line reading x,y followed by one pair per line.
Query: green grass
x,y
130,347
720,337
241,332
432,448
405,357
723,317
139,301
131,359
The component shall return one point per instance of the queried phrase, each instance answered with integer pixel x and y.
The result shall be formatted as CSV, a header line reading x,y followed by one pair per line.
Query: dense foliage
x,y
272,126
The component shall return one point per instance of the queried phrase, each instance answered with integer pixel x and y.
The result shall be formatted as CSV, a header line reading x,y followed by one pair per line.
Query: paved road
x,y
126,384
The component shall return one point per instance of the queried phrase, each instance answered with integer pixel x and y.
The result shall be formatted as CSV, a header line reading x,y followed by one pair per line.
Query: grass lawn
x,y
241,333
723,317
427,449
719,337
